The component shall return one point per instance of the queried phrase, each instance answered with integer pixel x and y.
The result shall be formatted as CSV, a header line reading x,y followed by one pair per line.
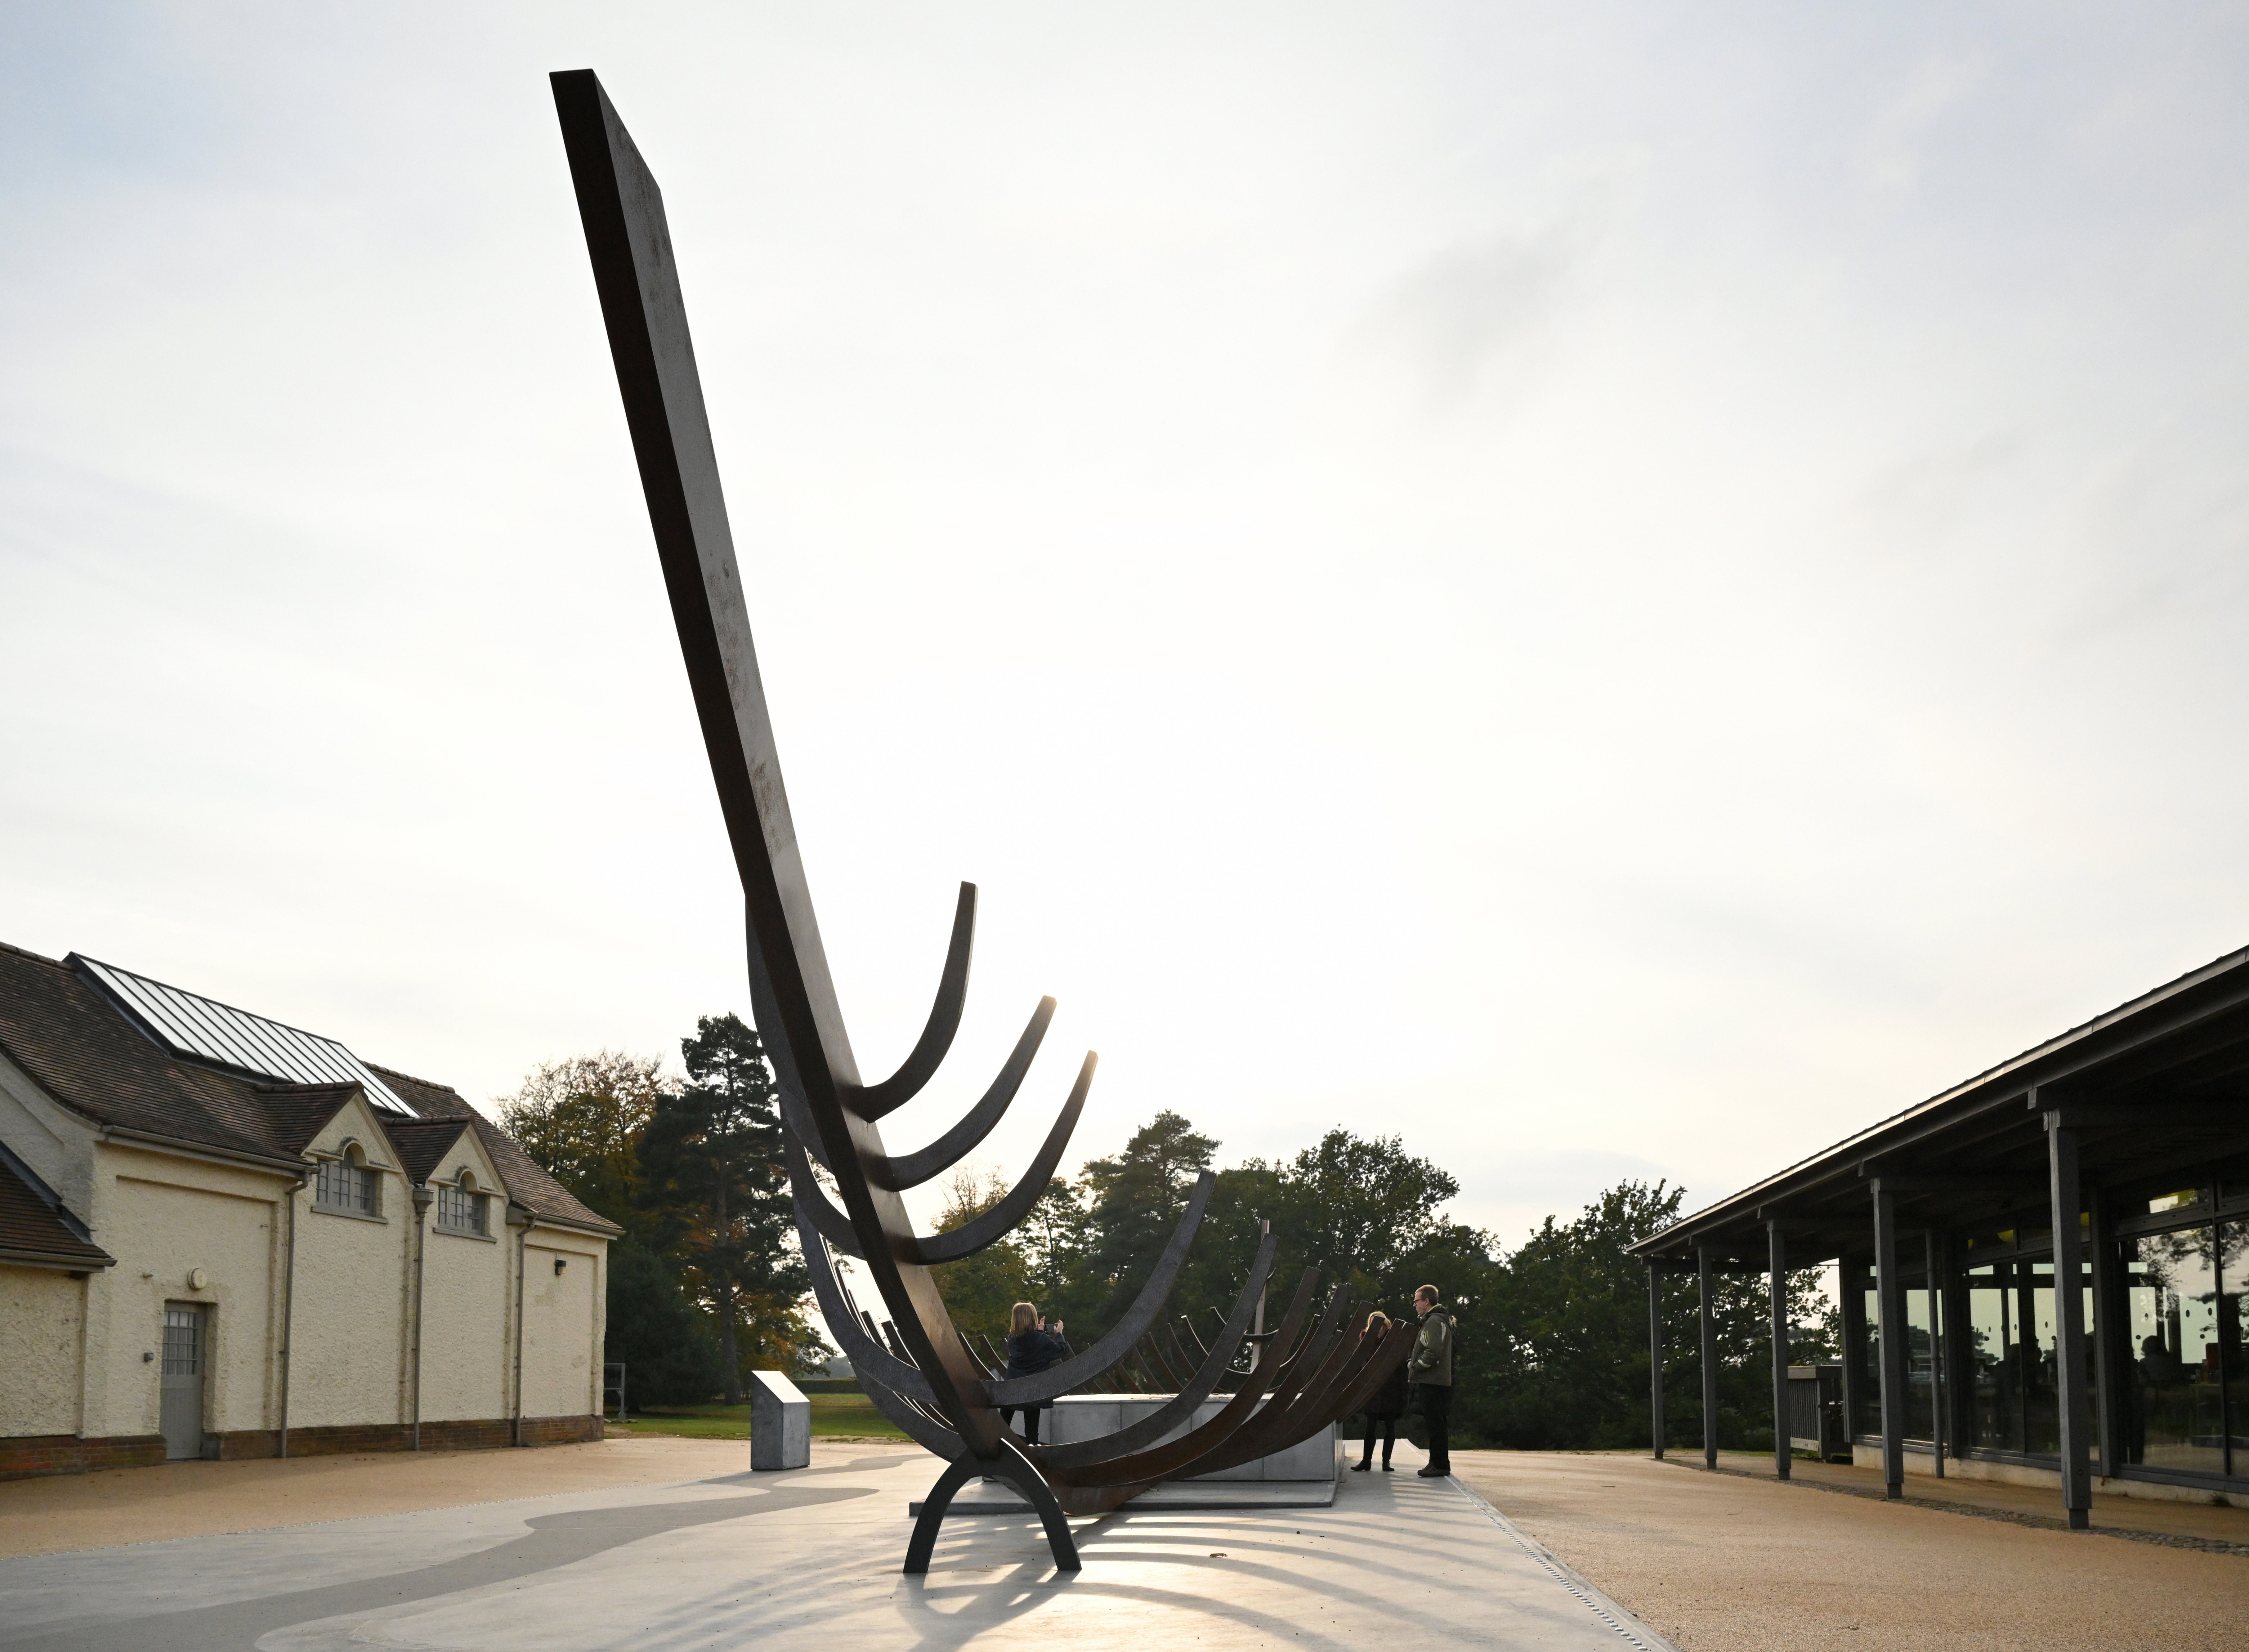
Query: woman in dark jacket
x,y
1031,1349
1387,1406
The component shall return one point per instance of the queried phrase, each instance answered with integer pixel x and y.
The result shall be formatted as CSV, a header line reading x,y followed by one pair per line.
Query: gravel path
x,y
1732,1562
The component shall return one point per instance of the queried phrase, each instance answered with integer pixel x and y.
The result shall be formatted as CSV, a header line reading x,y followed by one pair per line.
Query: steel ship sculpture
x,y
1281,1387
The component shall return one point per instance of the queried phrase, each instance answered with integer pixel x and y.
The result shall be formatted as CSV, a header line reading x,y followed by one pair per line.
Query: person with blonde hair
x,y
1031,1349
1387,1406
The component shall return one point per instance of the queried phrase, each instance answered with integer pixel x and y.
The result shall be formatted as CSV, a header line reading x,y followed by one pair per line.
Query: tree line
x,y
1551,1348
1552,1334
706,1284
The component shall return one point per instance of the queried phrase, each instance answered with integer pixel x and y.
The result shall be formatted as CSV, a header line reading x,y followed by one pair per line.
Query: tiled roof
x,y
296,1113
531,1187
82,1051
33,1228
79,1048
527,1185
424,1143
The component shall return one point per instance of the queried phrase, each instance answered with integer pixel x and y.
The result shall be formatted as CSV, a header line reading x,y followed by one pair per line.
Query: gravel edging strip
x,y
2006,1517
1629,1629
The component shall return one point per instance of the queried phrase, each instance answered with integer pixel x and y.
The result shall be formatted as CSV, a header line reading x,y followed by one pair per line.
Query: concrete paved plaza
x,y
807,1560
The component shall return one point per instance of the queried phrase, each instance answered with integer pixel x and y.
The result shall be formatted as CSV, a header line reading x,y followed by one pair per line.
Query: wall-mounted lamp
x,y
561,1264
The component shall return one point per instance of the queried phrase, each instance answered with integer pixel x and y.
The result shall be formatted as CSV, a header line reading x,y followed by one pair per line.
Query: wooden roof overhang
x,y
2157,1085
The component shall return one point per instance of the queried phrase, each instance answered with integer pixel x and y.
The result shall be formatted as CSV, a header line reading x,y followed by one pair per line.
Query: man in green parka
x,y
1430,1368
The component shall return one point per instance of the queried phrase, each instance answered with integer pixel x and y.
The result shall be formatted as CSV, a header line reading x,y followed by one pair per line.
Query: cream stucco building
x,y
223,1236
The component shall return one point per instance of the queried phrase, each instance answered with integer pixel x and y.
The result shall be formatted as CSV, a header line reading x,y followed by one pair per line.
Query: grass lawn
x,y
833,1415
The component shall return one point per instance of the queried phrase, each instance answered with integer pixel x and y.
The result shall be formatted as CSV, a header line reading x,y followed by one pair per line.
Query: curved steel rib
x,y
902,1086
1157,1463
915,1422
869,1357
1282,1423
911,1169
1304,1375
999,1220
915,1364
812,1201
1180,1407
1083,1367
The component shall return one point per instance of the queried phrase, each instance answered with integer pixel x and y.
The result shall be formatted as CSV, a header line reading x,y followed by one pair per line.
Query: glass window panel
x,y
2172,1416
2041,1403
1920,1364
1870,1395
1993,1359
2179,1200
183,1332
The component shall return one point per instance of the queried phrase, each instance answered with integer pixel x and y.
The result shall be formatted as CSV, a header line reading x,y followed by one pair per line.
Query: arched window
x,y
347,1184
461,1206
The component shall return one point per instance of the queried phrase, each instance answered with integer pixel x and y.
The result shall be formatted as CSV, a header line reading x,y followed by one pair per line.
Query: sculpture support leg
x,y
1015,1469
932,1512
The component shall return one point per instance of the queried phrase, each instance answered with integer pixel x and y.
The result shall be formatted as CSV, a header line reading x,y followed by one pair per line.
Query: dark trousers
x,y
1435,1401
1388,1428
1031,1420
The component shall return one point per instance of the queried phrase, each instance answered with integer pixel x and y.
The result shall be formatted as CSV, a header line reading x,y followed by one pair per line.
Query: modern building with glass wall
x,y
2128,1137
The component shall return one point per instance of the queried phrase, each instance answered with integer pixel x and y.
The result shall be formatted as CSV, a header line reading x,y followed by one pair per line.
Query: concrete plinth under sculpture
x,y
1089,1416
1303,1475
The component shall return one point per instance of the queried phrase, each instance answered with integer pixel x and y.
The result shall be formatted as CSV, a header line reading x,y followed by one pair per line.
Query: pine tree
x,y
711,1162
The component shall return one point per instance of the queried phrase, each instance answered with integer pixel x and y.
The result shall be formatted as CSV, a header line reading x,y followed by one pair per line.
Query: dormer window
x,y
346,1184
461,1206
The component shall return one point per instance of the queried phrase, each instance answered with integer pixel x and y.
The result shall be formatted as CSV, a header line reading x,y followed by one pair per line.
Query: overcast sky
x,y
1615,590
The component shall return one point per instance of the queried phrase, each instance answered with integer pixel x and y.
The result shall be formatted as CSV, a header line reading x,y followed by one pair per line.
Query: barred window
x,y
461,1207
183,1334
347,1184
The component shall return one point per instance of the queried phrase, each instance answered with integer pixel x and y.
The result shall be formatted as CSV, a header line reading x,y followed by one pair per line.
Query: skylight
x,y
204,1029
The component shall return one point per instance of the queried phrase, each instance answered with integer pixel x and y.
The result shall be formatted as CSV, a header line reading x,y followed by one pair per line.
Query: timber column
x,y
1655,1358
1889,1298
1710,1356
1776,1265
2069,1320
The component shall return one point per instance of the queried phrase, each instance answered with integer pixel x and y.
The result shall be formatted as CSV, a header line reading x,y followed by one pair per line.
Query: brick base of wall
x,y
24,1457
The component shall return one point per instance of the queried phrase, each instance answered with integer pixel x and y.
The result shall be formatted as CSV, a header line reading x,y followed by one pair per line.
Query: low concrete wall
x,y
1083,1416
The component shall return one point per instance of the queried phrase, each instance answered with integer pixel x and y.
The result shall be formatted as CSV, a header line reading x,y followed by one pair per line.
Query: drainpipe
x,y
288,1306
522,1240
421,1198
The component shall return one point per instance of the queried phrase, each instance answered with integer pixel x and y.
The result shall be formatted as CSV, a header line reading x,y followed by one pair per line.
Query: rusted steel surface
x,y
916,1367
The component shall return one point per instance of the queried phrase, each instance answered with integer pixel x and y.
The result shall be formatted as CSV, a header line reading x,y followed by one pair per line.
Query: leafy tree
x,y
664,1344
581,1118
1132,1203
979,1289
1556,1354
1055,1240
714,1179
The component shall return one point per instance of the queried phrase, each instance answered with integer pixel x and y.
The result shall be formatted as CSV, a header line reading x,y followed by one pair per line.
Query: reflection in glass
x,y
2040,1393
1869,1387
1993,1334
2172,1417
1920,1363
2012,1356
